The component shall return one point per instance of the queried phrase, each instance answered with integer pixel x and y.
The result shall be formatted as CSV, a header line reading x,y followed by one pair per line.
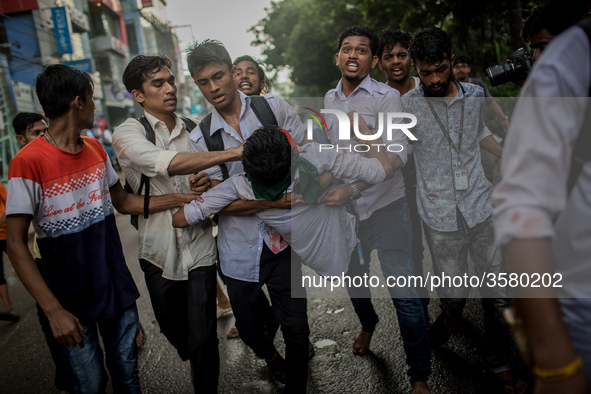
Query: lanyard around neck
x,y
445,133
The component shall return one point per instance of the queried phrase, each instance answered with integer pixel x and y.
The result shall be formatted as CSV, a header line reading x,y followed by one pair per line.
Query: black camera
x,y
516,68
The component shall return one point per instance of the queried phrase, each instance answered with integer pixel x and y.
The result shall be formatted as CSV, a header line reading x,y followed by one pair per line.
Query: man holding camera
x,y
453,194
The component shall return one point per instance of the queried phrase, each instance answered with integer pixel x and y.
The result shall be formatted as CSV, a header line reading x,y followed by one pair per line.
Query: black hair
x,y
205,52
141,68
389,39
431,45
57,85
462,59
363,31
24,121
257,64
554,16
267,155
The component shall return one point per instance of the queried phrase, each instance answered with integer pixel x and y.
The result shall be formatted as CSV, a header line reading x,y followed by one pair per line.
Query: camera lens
x,y
501,73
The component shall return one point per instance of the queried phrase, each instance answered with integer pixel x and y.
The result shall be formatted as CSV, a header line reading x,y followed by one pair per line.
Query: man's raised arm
x,y
185,163
135,151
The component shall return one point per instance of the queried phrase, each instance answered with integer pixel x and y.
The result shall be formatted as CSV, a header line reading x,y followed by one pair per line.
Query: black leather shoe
x,y
278,368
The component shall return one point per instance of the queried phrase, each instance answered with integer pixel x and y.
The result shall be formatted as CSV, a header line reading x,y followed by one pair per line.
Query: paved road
x,y
459,367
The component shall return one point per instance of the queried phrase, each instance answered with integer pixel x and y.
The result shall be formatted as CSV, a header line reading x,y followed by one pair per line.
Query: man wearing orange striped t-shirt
x,y
7,313
66,185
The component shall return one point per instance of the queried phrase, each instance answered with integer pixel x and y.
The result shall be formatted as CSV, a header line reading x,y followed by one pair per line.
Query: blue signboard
x,y
62,30
82,65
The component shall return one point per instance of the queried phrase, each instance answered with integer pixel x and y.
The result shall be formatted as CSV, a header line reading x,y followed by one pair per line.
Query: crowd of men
x,y
282,201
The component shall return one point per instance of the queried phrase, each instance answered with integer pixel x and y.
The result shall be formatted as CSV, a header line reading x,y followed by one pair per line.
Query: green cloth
x,y
308,187
270,192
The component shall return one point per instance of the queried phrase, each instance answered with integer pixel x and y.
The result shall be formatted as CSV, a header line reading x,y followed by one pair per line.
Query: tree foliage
x,y
301,35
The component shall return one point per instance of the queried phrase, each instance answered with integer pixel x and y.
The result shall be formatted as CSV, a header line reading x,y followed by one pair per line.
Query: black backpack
x,y
263,112
214,142
145,181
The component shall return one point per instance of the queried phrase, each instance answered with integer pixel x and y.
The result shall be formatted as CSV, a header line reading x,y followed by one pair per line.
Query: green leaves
x,y
302,35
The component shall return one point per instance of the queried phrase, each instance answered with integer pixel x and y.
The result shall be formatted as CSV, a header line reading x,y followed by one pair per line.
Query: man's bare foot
x,y
509,385
361,344
420,388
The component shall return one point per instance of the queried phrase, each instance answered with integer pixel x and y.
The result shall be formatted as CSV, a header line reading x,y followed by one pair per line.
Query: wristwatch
x,y
356,193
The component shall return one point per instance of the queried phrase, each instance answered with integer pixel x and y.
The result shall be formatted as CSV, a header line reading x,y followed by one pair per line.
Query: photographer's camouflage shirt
x,y
439,204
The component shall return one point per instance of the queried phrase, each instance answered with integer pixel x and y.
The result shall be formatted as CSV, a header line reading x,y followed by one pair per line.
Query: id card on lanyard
x,y
461,178
460,173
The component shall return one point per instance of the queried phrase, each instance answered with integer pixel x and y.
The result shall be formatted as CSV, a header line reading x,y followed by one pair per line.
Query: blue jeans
x,y
87,372
389,231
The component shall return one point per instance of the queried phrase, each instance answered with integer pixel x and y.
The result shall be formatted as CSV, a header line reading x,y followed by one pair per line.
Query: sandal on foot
x,y
222,311
9,316
233,333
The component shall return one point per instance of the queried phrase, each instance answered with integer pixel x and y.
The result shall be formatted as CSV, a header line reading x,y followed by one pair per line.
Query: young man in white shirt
x,y
178,264
383,209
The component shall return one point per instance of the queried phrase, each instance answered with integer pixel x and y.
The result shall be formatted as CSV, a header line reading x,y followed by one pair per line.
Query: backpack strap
x,y
582,151
190,125
263,110
213,141
145,181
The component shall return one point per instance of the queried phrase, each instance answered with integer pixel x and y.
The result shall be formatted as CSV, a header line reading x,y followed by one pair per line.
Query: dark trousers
x,y
186,313
276,273
388,230
417,242
450,256
264,308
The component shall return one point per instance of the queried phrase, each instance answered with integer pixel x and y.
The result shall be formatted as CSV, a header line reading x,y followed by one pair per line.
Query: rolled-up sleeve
x,y
483,133
136,152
